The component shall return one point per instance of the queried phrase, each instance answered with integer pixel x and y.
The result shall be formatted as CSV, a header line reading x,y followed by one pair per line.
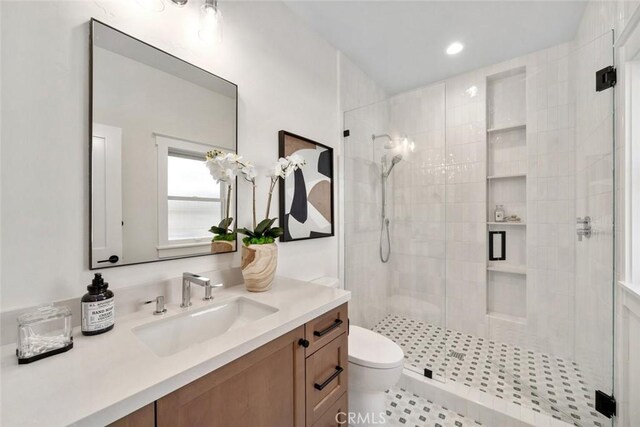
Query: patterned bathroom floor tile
x,y
410,410
542,382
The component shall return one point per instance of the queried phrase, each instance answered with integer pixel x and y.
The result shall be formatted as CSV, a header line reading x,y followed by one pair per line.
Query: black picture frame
x,y
283,136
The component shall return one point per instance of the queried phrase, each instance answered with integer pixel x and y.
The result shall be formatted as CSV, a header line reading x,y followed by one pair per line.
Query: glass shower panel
x,y
395,265
558,351
365,275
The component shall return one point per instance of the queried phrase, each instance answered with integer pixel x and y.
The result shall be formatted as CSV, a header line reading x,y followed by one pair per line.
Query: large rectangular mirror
x,y
153,119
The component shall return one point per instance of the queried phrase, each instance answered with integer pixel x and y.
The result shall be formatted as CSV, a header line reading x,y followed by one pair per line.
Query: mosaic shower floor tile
x,y
407,409
542,382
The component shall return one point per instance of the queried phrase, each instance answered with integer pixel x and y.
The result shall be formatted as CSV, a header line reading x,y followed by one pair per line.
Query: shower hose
x,y
385,226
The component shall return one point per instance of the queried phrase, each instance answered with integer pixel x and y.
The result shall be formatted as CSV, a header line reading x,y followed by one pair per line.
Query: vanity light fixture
x,y
210,22
454,48
179,3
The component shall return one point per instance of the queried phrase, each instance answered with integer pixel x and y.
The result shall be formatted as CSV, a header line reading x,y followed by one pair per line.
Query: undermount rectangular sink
x,y
169,336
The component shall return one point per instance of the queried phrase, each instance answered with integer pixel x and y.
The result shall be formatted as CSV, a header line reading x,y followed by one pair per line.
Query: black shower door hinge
x,y
346,133
605,404
606,78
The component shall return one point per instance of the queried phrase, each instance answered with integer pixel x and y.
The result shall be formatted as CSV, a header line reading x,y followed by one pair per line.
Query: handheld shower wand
x,y
384,227
385,221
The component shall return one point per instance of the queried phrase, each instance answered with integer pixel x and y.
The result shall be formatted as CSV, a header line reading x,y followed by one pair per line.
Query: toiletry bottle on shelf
x,y
98,313
499,216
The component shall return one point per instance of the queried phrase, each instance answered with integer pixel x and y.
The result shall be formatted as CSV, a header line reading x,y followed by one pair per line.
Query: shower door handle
x,y
583,227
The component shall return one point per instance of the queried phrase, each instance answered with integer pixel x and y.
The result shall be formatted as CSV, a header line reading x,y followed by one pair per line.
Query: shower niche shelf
x,y
509,269
520,175
507,186
507,128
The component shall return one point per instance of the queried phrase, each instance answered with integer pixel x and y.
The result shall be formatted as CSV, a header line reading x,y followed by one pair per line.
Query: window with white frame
x,y
189,200
194,200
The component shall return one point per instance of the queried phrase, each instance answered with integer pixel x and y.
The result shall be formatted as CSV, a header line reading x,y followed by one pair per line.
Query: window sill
x,y
184,249
631,288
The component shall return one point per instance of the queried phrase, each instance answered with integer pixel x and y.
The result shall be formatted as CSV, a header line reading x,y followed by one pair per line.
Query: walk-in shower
x,y
531,327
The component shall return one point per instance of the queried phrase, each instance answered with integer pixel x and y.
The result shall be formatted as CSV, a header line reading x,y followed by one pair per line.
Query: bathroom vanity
x,y
282,360
297,379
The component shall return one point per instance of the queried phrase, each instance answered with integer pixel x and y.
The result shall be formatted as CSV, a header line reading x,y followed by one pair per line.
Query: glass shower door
x,y
563,351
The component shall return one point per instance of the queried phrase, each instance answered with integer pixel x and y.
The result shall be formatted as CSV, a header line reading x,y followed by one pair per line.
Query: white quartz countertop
x,y
108,376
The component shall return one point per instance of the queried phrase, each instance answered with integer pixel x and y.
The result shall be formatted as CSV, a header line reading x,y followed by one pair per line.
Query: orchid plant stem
x,y
254,204
228,205
273,184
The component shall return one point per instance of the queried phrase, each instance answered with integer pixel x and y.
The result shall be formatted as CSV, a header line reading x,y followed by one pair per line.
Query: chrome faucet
x,y
188,279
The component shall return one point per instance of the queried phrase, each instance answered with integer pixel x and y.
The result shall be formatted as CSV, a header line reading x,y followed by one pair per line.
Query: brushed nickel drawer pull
x,y
328,329
328,380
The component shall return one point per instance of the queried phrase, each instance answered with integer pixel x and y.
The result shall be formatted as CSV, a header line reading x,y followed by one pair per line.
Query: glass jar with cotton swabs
x,y
43,332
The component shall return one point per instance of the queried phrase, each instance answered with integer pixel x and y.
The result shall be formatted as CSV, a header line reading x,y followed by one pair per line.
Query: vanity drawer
x,y
325,328
326,377
336,415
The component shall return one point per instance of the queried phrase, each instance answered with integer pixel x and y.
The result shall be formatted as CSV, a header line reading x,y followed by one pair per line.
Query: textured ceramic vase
x,y
259,264
222,246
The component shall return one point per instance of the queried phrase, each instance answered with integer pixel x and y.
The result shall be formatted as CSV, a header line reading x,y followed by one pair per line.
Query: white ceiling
x,y
401,44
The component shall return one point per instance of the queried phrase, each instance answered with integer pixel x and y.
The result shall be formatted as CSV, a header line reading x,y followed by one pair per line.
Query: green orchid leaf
x,y
218,230
246,232
264,225
225,223
275,232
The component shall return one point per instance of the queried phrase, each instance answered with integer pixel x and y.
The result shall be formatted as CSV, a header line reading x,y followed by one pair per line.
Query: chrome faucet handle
x,y
160,308
207,290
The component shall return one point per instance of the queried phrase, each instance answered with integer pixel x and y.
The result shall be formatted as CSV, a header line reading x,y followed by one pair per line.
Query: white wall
x,y
287,78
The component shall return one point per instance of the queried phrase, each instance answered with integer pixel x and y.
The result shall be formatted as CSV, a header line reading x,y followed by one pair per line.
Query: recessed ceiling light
x,y
455,48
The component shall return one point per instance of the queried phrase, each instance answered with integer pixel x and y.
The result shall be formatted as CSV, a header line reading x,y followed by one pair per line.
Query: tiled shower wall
x,y
440,209
417,264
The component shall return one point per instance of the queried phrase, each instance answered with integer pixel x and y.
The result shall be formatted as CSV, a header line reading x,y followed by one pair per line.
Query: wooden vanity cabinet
x,y
299,379
143,417
264,388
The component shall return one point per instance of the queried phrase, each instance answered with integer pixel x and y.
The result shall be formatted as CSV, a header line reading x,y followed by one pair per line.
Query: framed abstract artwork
x,y
306,196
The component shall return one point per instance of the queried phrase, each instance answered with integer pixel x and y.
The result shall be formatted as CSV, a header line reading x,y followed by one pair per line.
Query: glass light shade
x,y
210,22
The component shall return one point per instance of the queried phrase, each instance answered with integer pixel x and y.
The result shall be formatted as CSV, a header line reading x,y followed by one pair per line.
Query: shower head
x,y
389,144
394,161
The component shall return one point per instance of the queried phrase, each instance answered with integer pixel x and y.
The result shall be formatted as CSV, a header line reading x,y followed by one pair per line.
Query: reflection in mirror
x,y
154,118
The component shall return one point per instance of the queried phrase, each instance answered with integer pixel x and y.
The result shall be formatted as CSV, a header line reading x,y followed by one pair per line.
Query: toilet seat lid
x,y
370,349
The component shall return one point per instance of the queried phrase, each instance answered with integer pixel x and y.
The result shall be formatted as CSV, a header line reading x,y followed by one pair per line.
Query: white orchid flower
x,y
297,161
249,172
276,170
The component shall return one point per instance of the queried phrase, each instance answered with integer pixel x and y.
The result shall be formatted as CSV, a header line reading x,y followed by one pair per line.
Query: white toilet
x,y
375,365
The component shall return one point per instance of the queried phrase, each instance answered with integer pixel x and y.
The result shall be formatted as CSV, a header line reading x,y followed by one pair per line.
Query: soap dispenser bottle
x,y
98,311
